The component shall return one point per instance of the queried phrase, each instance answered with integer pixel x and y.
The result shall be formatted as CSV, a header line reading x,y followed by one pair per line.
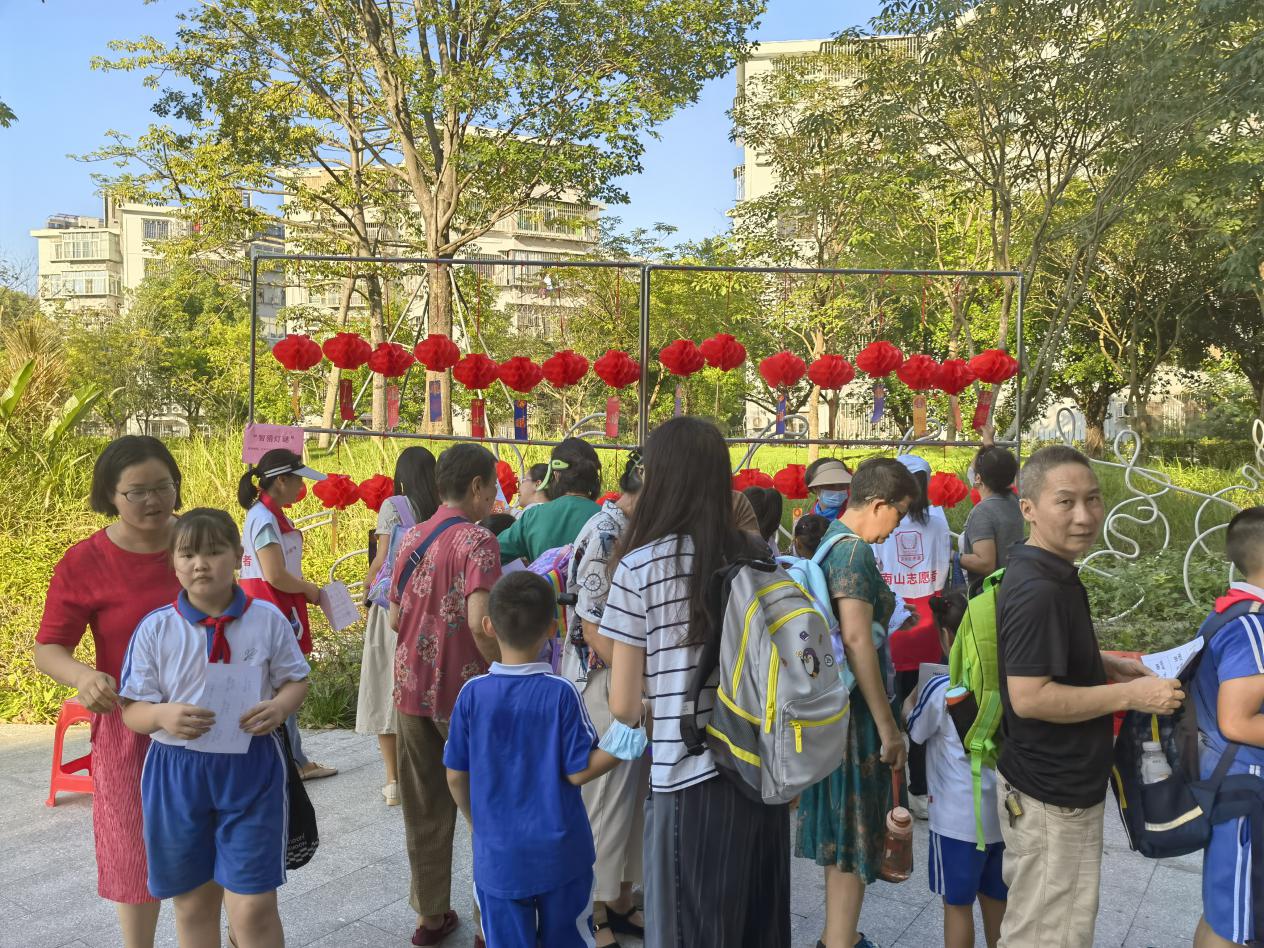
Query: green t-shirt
x,y
546,527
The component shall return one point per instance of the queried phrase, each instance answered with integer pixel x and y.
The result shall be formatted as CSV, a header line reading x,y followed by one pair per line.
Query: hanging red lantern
x,y
390,359
994,366
879,359
374,490
723,352
336,491
750,477
946,490
791,481
565,368
347,350
297,352
476,371
918,372
437,352
507,479
521,374
954,376
682,358
782,370
831,372
617,369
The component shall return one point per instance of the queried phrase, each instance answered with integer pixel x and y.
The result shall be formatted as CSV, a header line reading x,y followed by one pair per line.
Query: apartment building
x,y
97,262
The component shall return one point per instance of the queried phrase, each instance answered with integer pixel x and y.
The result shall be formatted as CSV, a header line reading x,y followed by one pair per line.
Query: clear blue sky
x,y
65,108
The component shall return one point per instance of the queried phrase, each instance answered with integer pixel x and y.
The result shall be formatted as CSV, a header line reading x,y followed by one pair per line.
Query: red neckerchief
x,y
283,522
219,650
1235,596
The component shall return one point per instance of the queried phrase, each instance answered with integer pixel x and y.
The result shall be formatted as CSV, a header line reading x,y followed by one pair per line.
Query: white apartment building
x,y
97,262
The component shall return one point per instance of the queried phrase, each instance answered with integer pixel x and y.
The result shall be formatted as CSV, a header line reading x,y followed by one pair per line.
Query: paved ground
x,y
354,892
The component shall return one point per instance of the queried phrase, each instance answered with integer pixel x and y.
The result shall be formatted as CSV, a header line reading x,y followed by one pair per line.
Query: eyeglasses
x,y
138,495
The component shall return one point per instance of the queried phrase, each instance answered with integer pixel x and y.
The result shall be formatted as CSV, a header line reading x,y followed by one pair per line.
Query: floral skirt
x,y
842,819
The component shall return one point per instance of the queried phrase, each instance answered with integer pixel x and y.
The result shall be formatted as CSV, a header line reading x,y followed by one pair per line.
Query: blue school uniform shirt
x,y
518,731
1237,651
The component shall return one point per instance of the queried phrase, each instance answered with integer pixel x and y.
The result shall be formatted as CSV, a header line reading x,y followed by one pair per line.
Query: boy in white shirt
x,y
959,871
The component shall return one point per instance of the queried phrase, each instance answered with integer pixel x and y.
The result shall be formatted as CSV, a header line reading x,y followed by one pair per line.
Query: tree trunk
x,y
377,331
1094,409
335,374
440,321
814,400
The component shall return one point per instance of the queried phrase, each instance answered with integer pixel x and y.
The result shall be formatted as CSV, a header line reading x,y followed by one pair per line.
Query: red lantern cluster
x,y
879,359
831,372
994,366
682,358
437,352
507,479
617,369
946,490
390,359
521,374
565,368
782,370
347,350
297,352
954,376
373,491
723,352
476,371
918,372
750,477
336,491
791,481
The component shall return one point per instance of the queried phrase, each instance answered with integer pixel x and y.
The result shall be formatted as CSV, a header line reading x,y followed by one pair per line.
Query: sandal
x,y
315,771
607,927
425,937
622,923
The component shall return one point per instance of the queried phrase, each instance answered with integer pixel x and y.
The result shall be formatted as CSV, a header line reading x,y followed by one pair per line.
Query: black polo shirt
x,y
1043,627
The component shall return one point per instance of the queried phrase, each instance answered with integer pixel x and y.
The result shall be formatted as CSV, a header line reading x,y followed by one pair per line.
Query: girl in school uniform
x,y
214,816
272,560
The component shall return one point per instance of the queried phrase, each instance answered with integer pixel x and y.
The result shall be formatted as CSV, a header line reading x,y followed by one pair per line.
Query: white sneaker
x,y
390,793
917,806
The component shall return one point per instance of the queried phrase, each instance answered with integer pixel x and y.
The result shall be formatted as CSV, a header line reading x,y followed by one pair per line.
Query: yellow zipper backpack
x,y
779,722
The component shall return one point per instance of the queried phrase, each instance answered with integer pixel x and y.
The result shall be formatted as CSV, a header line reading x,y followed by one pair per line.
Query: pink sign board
x,y
260,439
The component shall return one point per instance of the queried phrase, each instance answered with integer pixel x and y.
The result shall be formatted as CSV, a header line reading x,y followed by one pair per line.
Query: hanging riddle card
x,y
983,409
346,400
612,417
781,413
435,388
392,407
520,419
478,418
879,403
919,415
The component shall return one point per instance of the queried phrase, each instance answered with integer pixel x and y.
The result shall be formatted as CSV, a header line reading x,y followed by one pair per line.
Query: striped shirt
x,y
648,608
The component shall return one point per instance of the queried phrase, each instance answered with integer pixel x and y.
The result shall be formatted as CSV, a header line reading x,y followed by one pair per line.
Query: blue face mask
x,y
832,500
626,743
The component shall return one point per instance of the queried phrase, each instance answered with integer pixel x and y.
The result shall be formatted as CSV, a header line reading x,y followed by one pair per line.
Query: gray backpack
x,y
780,719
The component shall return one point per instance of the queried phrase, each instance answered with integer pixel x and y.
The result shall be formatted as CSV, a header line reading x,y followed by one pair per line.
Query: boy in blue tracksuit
x,y
520,745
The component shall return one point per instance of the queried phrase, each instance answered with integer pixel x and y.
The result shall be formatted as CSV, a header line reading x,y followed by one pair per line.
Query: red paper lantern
x,y
521,374
336,491
476,371
565,368
723,352
918,372
994,366
946,490
879,359
782,370
390,359
437,352
831,372
297,352
954,376
508,480
373,491
682,358
750,477
617,369
791,481
347,350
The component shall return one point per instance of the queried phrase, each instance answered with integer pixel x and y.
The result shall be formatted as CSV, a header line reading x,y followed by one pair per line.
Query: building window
x,y
530,275
84,283
561,218
85,246
739,183
156,228
533,319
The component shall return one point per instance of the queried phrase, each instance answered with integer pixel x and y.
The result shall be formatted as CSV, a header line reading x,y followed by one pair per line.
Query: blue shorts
x,y
959,872
560,918
215,816
1227,881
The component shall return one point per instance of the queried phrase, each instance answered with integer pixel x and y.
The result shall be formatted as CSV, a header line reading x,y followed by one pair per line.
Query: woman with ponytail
x,y
572,484
272,560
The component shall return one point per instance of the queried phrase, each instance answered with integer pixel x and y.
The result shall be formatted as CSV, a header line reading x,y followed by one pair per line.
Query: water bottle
x,y
1154,765
897,847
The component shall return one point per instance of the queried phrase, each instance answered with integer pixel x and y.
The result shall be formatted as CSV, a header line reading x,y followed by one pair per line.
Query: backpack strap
x,y
403,510
417,555
826,545
1209,629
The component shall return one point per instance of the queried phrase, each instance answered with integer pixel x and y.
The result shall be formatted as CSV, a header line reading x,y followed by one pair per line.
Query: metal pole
x,y
643,402
1018,395
254,328
413,436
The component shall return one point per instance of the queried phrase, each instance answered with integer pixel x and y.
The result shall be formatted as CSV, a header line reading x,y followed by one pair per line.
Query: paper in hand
x,y
337,605
1171,663
230,691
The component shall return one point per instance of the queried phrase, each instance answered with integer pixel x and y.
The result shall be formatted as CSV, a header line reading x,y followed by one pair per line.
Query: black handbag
x,y
303,838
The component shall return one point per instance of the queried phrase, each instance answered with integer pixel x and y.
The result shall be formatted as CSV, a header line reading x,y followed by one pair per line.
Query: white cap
x,y
300,470
915,464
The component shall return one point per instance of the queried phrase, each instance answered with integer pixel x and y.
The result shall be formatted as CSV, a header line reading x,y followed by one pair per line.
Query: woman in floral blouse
x,y
438,615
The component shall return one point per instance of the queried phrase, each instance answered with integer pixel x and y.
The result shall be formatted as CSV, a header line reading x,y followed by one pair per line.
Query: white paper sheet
x,y
231,691
513,566
1171,663
338,606
928,670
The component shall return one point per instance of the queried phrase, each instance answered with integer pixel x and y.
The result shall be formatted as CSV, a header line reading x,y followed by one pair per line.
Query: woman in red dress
x,y
108,583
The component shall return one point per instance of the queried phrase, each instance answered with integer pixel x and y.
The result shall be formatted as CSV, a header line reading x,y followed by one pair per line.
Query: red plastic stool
x,y
65,775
